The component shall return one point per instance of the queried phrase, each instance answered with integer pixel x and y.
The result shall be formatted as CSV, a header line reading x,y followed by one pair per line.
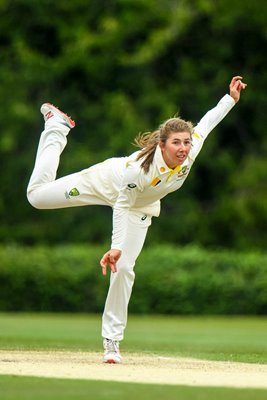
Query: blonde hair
x,y
148,141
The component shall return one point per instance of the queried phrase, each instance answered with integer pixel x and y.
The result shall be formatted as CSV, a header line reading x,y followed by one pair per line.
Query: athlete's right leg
x,y
43,191
61,193
78,189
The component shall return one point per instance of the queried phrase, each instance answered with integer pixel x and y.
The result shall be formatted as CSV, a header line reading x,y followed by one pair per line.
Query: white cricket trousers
x,y
46,192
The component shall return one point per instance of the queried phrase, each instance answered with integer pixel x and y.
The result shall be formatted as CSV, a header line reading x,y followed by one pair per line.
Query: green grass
x,y
26,388
216,338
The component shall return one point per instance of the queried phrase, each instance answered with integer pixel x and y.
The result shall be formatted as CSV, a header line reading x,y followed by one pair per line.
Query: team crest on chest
x,y
183,171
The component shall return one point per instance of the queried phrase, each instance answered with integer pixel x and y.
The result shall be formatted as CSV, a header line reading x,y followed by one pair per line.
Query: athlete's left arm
x,y
213,117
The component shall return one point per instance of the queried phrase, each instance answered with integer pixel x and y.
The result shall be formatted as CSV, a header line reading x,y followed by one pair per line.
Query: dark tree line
x,y
122,67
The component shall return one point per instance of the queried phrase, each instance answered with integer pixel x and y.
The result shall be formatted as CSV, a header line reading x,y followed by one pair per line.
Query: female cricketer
x,y
133,186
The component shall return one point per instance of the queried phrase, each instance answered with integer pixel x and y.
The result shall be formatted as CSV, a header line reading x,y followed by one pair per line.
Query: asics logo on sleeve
x,y
131,185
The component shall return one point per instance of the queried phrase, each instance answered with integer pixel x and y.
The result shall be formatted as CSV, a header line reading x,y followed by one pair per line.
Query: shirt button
x,y
162,169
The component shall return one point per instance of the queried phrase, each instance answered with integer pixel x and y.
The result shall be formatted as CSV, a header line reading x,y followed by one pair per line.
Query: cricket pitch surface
x,y
135,368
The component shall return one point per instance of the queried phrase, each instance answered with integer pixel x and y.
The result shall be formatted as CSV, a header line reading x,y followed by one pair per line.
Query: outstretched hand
x,y
110,258
236,85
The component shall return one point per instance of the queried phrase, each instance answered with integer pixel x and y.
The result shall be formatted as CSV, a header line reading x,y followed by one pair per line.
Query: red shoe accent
x,y
72,123
49,115
55,111
110,361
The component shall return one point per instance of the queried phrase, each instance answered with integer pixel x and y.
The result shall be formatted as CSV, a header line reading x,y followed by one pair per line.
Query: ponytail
x,y
147,142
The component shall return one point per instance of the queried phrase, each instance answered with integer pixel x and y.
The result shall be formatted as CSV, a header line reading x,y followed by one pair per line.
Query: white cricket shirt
x,y
125,186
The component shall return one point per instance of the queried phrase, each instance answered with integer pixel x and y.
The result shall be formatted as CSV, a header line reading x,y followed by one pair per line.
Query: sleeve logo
x,y
131,185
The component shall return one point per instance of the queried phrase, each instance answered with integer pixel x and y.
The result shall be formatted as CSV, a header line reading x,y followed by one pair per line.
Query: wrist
x,y
115,250
236,99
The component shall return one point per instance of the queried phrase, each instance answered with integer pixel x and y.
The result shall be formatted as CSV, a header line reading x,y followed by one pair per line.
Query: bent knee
x,y
125,268
34,200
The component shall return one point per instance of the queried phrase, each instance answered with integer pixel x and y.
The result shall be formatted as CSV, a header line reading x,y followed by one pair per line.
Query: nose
x,y
183,147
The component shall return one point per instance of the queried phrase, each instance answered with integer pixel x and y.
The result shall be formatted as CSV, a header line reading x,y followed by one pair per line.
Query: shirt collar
x,y
159,161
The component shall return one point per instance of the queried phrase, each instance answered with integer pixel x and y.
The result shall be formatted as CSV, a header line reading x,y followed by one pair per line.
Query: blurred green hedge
x,y
169,280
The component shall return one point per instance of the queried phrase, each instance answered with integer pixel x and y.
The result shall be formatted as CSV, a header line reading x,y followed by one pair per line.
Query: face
x,y
176,148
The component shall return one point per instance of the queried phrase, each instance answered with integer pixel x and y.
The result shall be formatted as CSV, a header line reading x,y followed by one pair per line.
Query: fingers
x,y
237,83
106,260
104,271
112,264
240,85
236,78
103,263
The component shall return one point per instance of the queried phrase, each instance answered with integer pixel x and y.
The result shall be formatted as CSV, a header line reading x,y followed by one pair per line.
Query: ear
x,y
161,145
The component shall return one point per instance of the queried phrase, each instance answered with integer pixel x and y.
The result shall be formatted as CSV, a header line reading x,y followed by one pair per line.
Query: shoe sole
x,y
111,362
52,108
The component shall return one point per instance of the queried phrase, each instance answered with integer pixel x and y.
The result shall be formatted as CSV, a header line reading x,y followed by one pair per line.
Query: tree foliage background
x,y
121,67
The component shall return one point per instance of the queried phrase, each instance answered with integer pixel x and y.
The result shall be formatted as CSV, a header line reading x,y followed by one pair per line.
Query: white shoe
x,y
49,111
111,351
